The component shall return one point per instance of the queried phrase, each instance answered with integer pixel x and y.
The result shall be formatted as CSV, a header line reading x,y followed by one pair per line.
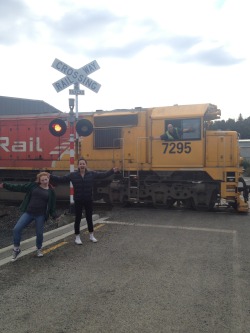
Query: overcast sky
x,y
150,53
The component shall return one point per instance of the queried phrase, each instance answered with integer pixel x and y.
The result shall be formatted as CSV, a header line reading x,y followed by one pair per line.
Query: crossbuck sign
x,y
73,76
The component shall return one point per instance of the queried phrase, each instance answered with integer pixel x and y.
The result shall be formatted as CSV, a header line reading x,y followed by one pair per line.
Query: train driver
x,y
175,133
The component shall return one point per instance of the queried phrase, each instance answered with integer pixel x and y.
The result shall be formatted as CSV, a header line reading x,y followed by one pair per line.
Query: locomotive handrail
x,y
122,141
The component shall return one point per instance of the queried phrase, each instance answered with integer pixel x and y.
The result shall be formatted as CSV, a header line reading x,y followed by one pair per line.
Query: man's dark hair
x,y
82,159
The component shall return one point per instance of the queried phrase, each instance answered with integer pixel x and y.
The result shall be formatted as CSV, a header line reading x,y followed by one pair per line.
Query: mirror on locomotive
x,y
182,129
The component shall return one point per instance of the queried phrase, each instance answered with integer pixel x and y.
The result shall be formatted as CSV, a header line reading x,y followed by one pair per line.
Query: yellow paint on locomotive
x,y
137,145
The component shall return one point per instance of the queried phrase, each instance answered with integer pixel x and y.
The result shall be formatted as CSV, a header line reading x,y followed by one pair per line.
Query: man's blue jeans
x,y
24,220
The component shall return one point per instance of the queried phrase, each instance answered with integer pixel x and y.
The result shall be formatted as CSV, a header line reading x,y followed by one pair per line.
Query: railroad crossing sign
x,y
76,91
76,75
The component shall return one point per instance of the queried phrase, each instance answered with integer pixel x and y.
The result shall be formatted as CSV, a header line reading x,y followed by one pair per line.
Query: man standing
x,y
82,181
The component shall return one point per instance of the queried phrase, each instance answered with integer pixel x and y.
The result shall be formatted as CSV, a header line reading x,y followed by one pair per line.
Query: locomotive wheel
x,y
207,205
213,200
106,198
170,203
200,208
188,203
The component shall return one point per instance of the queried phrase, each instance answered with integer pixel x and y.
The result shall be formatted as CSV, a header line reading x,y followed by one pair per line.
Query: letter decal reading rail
x,y
177,147
20,146
38,148
5,144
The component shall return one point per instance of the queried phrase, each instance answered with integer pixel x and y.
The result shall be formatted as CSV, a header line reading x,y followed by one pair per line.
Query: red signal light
x,y
57,127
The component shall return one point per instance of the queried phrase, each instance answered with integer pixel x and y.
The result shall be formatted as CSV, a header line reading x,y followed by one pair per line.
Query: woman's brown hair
x,y
39,175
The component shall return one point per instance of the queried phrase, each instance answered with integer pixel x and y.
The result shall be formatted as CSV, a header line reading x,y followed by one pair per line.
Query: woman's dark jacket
x,y
82,185
28,188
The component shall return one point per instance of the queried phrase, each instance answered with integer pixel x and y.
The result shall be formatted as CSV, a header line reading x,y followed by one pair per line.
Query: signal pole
x,y
76,91
72,149
75,76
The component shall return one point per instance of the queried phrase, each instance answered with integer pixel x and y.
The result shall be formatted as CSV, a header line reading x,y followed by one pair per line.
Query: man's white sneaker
x,y
78,240
93,239
39,253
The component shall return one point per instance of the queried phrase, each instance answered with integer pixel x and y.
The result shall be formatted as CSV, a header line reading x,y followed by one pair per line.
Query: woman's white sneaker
x,y
78,240
15,254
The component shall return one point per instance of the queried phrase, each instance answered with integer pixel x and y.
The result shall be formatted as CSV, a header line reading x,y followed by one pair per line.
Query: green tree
x,y
240,118
242,126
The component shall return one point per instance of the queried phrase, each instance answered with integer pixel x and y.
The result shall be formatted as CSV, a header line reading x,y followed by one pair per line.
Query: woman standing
x,y
38,204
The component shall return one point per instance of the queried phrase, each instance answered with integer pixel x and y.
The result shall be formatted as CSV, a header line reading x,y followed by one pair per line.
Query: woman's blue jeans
x,y
24,220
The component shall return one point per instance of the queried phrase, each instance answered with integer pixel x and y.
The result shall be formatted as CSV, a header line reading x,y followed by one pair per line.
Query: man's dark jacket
x,y
82,185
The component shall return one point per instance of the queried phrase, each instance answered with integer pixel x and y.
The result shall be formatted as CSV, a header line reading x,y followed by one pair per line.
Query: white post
x,y
72,149
76,88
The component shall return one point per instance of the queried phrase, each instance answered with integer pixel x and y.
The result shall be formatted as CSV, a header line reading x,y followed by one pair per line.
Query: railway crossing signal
x,y
83,127
73,75
57,127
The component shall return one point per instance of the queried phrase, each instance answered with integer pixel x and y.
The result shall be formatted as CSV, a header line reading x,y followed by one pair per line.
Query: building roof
x,y
19,106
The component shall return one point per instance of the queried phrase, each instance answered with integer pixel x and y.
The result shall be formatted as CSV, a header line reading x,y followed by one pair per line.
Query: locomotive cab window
x,y
182,129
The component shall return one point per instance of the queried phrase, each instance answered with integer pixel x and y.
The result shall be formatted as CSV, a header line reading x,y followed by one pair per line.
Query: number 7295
x,y
176,147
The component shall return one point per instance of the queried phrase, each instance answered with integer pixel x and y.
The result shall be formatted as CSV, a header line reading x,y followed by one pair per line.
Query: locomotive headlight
x,y
57,127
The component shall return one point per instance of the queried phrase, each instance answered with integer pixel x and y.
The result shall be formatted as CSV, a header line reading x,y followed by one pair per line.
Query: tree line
x,y
241,125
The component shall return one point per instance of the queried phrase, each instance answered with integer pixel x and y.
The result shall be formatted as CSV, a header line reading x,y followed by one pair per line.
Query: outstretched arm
x,y
188,130
16,187
105,174
165,137
59,179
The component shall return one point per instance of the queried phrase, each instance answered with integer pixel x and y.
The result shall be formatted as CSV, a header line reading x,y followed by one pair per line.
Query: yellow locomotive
x,y
194,166
166,155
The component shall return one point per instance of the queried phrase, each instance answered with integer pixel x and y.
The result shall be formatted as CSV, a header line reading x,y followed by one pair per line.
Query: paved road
x,y
151,271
